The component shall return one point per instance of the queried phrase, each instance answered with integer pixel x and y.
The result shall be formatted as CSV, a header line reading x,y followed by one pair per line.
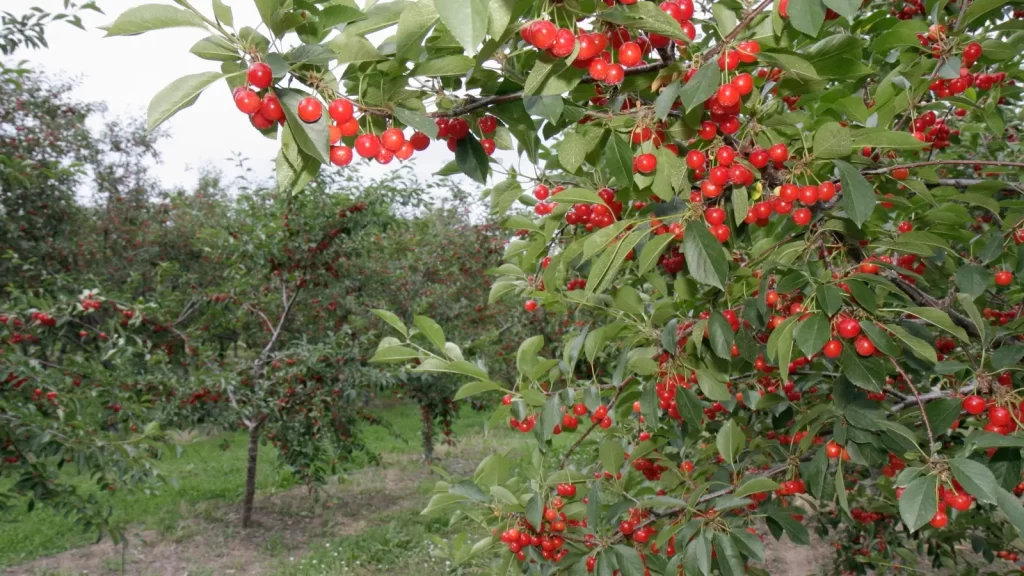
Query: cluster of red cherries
x,y
1000,419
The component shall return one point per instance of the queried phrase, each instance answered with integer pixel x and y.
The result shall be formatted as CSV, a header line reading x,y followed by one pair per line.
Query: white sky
x,y
125,72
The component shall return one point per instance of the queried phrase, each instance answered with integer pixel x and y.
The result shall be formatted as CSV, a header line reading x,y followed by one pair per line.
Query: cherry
x,y
719,175
541,192
392,139
333,134
808,195
420,141
310,110
247,101
341,155
848,328
384,156
626,527
748,51
598,69
826,191
778,153
565,43
685,9
541,34
974,404
1004,278
350,127
905,226
367,145
999,416
261,76
615,74
721,232
488,145
405,152
695,159
833,349
900,174
940,520
728,95
789,192
833,450
271,108
340,110
487,124
744,83
868,267
864,346
630,54
714,216
458,128
972,51
646,163
530,305
708,130
725,155
260,122
759,158
802,216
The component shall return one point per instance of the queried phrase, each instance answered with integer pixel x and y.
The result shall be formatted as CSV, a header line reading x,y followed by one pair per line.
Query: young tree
x,y
794,227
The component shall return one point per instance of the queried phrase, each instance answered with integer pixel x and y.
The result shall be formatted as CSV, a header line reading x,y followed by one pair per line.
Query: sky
x,y
125,72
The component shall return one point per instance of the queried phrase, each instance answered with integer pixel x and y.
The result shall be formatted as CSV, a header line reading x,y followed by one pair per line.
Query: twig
x,y
933,395
920,403
886,169
736,31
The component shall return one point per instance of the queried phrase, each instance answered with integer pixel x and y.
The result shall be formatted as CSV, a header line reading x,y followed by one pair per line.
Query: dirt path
x,y
209,542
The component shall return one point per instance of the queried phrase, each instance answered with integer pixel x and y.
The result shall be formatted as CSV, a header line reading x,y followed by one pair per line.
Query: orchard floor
x,y
367,523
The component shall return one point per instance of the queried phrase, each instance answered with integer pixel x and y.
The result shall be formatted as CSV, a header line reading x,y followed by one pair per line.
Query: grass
x,y
204,472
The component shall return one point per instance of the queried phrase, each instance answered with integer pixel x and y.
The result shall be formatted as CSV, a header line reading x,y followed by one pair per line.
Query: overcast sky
x,y
125,72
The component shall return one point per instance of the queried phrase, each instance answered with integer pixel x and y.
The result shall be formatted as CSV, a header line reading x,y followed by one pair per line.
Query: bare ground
x,y
210,543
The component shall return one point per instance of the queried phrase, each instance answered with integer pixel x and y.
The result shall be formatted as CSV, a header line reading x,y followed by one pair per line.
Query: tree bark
x,y
250,476
428,434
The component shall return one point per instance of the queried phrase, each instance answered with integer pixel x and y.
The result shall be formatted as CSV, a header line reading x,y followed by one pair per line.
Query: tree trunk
x,y
428,434
250,476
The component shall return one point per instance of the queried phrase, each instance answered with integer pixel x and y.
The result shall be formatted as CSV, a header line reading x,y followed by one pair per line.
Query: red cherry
x,y
392,139
759,158
260,122
420,141
248,101
630,54
1004,278
901,174
940,520
808,195
487,124
848,328
310,110
728,95
488,145
541,34
725,155
598,69
615,74
744,83
384,156
646,163
349,128
905,226
695,159
685,9
708,130
802,216
530,305
458,128
999,416
974,404
833,450
714,216
972,51
367,145
864,346
826,191
721,232
341,155
405,152
260,75
748,51
565,43
778,153
271,108
340,110
833,348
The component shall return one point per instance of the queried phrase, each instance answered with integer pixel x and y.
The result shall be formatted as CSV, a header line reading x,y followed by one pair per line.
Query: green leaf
x,y
832,140
749,544
295,169
670,175
885,138
812,333
712,386
431,330
844,502
578,196
414,24
922,349
354,49
215,48
504,495
942,413
179,95
535,510
721,335
858,195
1006,356
866,373
1010,505
476,387
312,138
466,20
938,318
394,354
612,454
830,298
780,344
756,486
894,38
630,563
919,502
337,15
689,405
501,13
454,65
796,531
704,256
730,563
644,16
472,159
222,12
801,69
973,279
725,19
526,356
701,86
967,303
807,16
652,251
148,17
845,8
976,478
417,120
980,8
618,158
572,151
668,96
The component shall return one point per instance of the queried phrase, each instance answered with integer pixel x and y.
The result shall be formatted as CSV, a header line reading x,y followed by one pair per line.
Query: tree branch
x,y
920,403
568,453
886,169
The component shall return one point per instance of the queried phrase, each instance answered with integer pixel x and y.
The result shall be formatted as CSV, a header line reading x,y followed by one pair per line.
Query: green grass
x,y
205,472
